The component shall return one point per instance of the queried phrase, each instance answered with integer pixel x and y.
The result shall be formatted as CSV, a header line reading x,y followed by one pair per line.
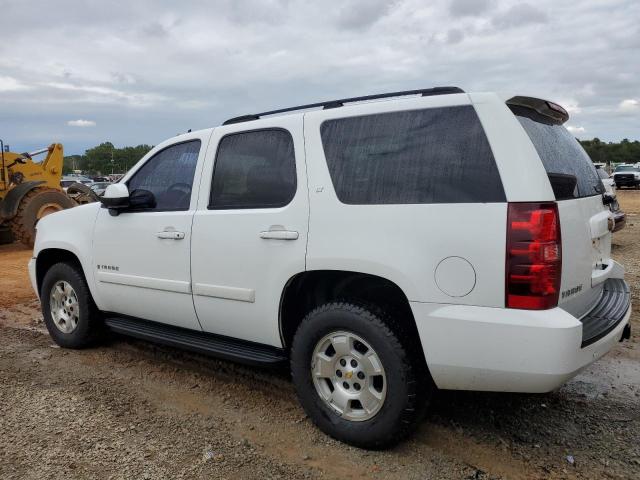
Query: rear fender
x,y
9,204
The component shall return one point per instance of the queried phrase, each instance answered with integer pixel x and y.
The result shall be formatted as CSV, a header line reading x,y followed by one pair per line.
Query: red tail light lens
x,y
534,256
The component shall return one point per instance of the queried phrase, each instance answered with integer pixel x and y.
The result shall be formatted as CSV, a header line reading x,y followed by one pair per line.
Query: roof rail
x,y
339,103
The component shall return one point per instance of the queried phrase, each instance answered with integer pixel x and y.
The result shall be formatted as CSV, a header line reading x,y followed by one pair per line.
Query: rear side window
x,y
436,155
571,172
254,169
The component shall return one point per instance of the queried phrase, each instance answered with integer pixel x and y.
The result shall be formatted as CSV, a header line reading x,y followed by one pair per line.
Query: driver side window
x,y
169,176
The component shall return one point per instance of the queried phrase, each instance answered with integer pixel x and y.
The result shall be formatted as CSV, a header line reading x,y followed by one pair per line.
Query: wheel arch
x,y
50,256
307,290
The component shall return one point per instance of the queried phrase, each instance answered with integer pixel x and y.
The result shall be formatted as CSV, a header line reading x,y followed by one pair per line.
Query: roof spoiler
x,y
551,111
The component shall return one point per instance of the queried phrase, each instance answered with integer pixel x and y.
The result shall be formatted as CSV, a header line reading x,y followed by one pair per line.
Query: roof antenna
x,y
189,131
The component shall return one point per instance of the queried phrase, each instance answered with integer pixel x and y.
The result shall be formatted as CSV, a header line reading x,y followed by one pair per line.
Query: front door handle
x,y
172,235
279,234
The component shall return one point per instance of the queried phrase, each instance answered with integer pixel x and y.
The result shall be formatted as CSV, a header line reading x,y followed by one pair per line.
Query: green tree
x,y
105,158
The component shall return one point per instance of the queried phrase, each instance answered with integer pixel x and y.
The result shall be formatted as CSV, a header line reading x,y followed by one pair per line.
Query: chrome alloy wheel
x,y
349,376
64,306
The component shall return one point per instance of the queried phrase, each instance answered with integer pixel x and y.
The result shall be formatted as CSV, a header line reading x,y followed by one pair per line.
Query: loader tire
x,y
36,204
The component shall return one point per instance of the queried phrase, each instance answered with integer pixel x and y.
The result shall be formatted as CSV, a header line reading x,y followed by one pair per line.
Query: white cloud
x,y
464,8
81,123
10,84
571,106
192,66
520,14
575,130
629,105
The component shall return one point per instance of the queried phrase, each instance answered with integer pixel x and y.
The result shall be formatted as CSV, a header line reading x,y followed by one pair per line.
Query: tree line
x,y
105,158
625,151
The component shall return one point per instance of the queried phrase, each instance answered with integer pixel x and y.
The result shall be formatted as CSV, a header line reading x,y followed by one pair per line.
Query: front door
x,y
142,258
250,230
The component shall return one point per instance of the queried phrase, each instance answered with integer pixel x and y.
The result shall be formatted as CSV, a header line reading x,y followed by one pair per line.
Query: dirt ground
x,y
129,409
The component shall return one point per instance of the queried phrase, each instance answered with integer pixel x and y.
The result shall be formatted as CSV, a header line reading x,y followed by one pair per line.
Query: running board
x,y
196,341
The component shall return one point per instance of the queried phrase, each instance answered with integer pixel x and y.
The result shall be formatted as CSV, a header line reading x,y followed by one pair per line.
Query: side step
x,y
196,341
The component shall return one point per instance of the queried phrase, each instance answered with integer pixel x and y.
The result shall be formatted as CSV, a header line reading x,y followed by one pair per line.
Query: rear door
x,y
584,219
250,230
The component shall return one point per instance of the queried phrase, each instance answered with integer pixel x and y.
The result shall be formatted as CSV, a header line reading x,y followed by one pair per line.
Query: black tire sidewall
x,y
84,332
388,425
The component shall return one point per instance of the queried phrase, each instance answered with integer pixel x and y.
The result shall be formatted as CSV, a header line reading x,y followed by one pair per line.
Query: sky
x,y
85,72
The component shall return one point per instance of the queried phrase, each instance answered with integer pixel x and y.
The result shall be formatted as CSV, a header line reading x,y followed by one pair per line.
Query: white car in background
x,y
99,187
627,176
607,180
619,217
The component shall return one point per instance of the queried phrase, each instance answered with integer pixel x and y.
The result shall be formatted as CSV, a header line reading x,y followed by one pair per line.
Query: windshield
x,y
602,174
571,172
627,168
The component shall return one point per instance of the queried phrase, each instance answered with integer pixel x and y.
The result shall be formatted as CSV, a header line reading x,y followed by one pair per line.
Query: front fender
x,y
71,230
10,203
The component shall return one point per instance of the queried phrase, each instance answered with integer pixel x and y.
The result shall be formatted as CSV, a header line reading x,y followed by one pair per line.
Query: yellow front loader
x,y
30,190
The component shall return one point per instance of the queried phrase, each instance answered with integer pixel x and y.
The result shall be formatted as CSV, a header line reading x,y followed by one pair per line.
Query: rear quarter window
x,y
436,155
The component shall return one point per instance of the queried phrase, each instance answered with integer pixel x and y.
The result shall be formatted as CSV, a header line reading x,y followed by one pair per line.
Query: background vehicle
x,y
607,181
619,216
382,248
29,191
626,176
99,187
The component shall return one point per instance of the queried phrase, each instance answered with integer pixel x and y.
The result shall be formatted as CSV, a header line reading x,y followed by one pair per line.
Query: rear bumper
x,y
605,316
499,349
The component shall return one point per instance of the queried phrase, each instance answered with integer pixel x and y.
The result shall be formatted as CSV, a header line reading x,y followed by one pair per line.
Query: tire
x,y
36,204
6,236
406,382
88,324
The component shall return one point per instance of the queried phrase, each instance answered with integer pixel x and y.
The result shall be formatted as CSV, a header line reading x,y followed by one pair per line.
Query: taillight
x,y
534,256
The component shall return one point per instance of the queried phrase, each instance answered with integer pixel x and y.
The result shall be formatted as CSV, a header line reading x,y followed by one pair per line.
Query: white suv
x,y
383,248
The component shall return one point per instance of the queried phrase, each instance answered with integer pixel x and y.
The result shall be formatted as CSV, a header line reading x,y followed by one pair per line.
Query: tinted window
x,y
437,155
254,170
571,171
169,176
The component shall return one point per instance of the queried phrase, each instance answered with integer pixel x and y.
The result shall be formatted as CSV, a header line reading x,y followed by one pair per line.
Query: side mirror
x,y
115,198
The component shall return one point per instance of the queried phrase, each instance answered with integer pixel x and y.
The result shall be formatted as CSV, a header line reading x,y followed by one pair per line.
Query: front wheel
x,y
70,315
357,376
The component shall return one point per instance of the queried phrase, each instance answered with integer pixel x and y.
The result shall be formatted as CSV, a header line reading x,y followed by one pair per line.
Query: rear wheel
x,y
70,315
37,204
354,376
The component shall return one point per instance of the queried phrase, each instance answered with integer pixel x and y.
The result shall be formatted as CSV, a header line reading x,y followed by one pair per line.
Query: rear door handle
x,y
279,235
170,235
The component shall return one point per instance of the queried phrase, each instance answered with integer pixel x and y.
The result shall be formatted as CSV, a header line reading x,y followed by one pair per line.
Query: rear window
x,y
436,155
571,172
